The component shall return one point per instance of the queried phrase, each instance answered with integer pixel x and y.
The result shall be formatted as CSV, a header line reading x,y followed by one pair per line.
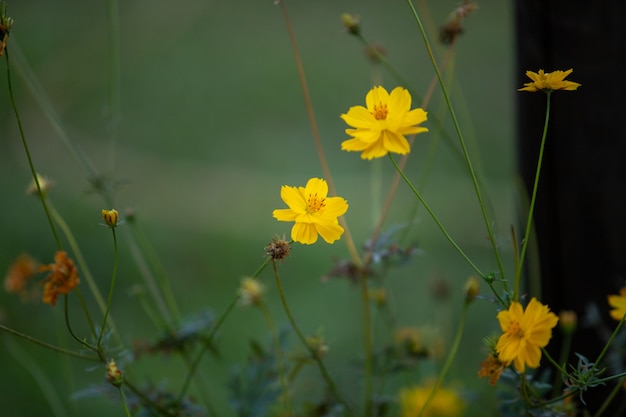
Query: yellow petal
x,y
395,143
284,215
359,116
293,197
316,186
304,233
330,232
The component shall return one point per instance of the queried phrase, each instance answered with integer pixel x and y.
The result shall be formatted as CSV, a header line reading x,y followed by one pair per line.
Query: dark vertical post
x,y
581,207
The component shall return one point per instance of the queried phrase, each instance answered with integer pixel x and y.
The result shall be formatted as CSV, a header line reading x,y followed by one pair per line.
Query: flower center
x,y
315,203
380,111
514,330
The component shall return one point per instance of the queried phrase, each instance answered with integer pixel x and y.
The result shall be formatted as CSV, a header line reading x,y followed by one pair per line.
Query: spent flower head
x,y
524,333
312,211
114,374
381,127
19,274
548,82
63,277
618,302
492,368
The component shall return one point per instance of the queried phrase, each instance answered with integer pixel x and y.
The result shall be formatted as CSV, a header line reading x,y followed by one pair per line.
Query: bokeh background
x,y
213,122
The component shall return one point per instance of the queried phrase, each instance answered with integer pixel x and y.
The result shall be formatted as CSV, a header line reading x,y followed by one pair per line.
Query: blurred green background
x,y
212,124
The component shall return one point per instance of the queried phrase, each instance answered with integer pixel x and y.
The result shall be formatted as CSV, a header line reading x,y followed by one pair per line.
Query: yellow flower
x,y
111,217
313,212
380,128
524,333
618,302
551,81
446,403
250,291
63,277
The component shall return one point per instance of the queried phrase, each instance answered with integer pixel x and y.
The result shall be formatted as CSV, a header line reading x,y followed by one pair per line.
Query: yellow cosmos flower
x,y
524,333
618,302
313,212
551,81
446,402
380,128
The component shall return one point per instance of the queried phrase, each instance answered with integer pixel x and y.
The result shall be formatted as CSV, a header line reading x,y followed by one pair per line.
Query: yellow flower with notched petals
x,y
313,212
618,302
551,81
380,128
524,333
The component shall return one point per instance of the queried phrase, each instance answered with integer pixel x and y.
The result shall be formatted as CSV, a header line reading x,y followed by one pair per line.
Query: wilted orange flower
x,y
492,367
20,272
63,277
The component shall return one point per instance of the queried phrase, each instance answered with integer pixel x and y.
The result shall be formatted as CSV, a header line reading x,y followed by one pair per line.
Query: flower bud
x,y
110,217
471,289
351,22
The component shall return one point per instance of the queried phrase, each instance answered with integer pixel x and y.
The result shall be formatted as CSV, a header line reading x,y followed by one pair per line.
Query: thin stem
x,y
329,381
533,199
316,134
367,334
449,359
435,218
114,76
193,368
158,269
111,288
123,400
69,328
86,273
48,345
617,388
457,127
28,156
278,352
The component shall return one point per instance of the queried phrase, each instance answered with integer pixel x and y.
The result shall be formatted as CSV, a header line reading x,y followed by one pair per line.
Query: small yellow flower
x,y
44,183
111,217
568,321
313,212
524,333
471,289
618,302
250,291
445,403
63,277
551,81
380,128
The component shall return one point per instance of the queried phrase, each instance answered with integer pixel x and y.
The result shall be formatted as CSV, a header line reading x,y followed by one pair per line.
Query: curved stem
x,y
449,359
329,381
28,156
533,199
111,288
48,345
435,218
468,161
69,329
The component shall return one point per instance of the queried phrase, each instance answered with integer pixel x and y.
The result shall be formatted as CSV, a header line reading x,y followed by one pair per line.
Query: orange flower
x,y
20,272
492,367
63,277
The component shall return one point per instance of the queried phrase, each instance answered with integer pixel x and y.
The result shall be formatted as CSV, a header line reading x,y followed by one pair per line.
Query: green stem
x,y
329,381
28,156
367,341
468,161
278,352
69,329
48,345
193,368
56,407
86,273
449,359
124,404
159,270
533,199
617,388
435,218
111,288
114,76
